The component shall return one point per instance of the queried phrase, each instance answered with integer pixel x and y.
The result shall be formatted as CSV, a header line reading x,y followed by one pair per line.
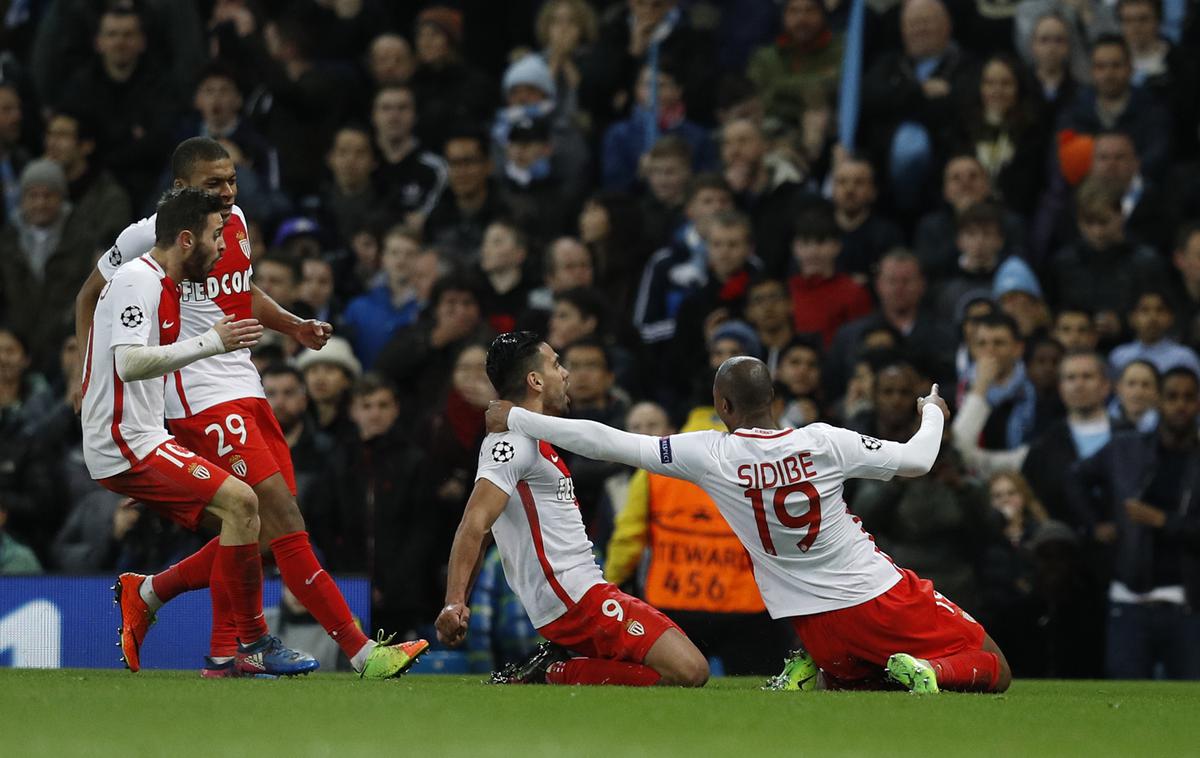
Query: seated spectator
x,y
1103,270
769,311
978,243
502,262
1135,403
46,253
806,57
578,314
390,60
889,418
625,142
420,358
352,198
999,376
1074,329
15,558
279,277
682,267
1004,133
1147,213
1043,359
372,318
1016,290
1057,60
568,265
98,202
1114,102
866,235
448,90
129,99
530,93
329,374
964,183
315,292
798,383
456,223
411,177
1013,499
541,197
1151,320
667,171
823,300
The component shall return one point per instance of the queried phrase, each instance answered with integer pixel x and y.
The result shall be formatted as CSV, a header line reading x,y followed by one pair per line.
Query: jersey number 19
x,y
811,518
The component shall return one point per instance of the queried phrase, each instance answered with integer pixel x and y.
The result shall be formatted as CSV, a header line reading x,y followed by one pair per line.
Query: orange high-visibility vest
x,y
697,563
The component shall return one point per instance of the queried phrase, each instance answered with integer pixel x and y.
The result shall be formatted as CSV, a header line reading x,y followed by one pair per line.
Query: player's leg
x,y
677,660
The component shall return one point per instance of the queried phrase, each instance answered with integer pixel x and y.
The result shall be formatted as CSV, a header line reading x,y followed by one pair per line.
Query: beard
x,y
196,267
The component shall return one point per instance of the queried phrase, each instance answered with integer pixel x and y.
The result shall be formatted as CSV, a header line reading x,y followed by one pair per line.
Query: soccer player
x,y
217,407
524,495
862,619
132,345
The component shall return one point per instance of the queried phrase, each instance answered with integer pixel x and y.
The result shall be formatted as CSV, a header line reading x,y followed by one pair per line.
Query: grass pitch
x,y
101,713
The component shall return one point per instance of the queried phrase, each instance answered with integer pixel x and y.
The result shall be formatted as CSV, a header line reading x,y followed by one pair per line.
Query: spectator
x,y
353,197
502,265
1074,330
682,267
45,255
384,525
279,277
390,60
625,142
1186,258
373,317
328,375
1016,290
1147,214
13,156
456,223
1113,102
593,397
999,375
1151,320
823,300
578,314
806,56
1003,132
611,227
769,311
97,534
1135,404
866,235
568,265
315,291
128,98
567,31
1144,506
1012,497
1049,51
542,197
964,183
420,358
1043,359
98,201
798,383
770,195
412,177
448,91
1082,23
15,558
667,171
310,449
978,243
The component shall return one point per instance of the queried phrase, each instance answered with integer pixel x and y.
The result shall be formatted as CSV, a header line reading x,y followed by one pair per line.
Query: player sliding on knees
x,y
133,344
865,623
217,407
525,496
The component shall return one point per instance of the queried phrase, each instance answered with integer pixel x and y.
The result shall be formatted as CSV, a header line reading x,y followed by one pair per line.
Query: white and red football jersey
x,y
219,378
544,548
123,421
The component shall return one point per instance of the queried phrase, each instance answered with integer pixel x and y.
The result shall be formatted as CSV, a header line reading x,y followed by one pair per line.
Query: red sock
x,y
238,571
600,671
192,573
223,643
316,590
973,671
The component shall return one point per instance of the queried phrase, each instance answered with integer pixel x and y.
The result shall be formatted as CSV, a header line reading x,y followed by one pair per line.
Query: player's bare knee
x,y
689,671
238,503
1004,680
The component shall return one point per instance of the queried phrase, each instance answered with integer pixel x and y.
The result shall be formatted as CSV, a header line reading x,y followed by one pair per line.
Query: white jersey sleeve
x,y
860,456
133,309
132,243
505,461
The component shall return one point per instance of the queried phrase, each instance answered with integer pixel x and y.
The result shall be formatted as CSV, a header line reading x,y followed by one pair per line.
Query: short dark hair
x,y
811,342
1112,40
192,151
184,209
1155,5
218,69
372,382
708,180
284,369
593,343
85,125
1001,320
287,261
671,146
817,223
468,133
986,213
1154,372
455,281
1158,292
510,358
589,302
1180,371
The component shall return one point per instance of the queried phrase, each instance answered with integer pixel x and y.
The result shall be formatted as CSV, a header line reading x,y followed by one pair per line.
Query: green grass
x,y
77,712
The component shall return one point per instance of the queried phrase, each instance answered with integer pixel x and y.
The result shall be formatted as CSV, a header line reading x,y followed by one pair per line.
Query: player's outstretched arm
x,y
309,332
916,457
85,310
485,505
138,362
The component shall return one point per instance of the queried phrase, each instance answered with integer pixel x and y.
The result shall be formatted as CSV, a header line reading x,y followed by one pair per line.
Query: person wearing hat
x,y
448,91
45,253
542,200
328,375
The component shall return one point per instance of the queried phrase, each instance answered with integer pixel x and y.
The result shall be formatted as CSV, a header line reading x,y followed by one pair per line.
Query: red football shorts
x,y
172,481
242,436
607,623
854,643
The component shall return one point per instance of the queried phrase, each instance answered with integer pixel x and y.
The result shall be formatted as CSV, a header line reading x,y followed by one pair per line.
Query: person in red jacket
x,y
822,298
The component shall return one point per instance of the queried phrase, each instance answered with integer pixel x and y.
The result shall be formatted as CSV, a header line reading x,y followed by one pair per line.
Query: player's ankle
x,y
146,591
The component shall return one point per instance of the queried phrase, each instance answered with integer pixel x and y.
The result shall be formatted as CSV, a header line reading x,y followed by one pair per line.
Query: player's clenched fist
x,y
313,334
452,624
236,335
497,416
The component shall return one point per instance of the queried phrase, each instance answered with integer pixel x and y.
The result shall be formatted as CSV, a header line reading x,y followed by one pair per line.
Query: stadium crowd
x,y
658,185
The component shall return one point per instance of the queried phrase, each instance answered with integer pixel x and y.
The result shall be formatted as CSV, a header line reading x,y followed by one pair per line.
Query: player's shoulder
x,y
133,242
509,447
239,214
142,274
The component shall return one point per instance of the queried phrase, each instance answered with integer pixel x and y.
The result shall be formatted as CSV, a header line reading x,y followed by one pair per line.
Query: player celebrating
x,y
862,619
131,346
217,406
524,494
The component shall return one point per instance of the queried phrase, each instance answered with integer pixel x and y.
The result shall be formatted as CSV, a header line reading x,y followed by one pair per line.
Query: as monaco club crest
x,y
238,464
198,471
243,243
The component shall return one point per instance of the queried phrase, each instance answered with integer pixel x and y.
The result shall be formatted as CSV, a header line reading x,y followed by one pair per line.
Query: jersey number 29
x,y
236,426
811,518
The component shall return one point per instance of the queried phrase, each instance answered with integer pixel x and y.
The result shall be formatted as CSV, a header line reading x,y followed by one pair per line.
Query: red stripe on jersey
x,y
764,436
549,453
118,405
187,410
535,529
87,364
